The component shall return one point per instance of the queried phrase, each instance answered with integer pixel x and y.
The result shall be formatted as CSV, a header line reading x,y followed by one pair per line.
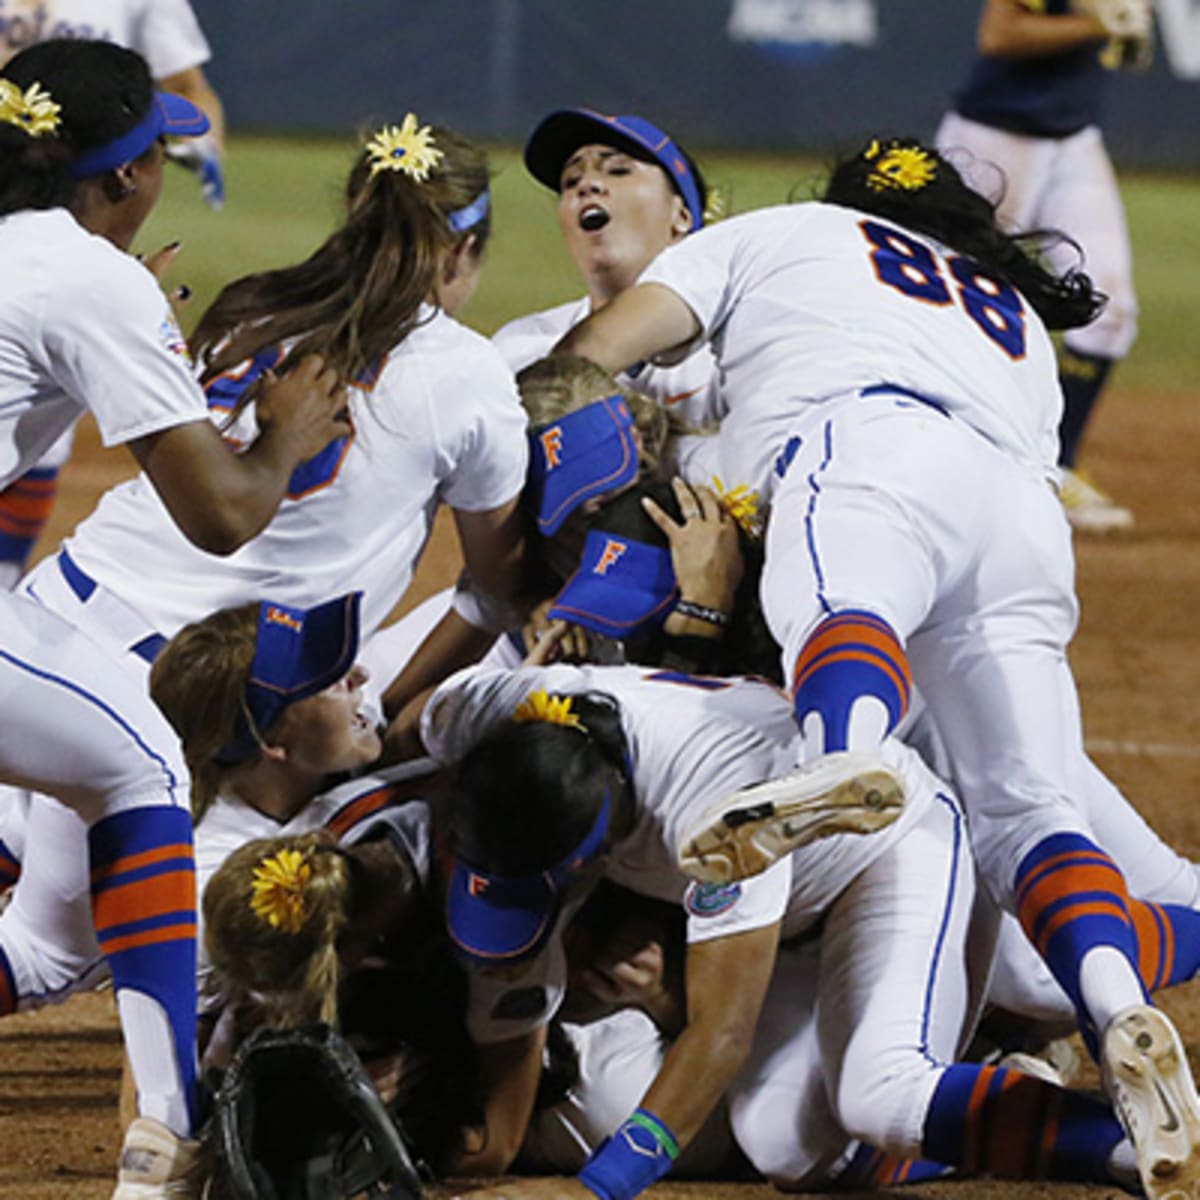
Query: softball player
x,y
83,327
608,768
900,391
626,190
1025,129
167,35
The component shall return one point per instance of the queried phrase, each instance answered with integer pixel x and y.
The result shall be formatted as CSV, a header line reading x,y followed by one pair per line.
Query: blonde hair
x,y
199,681
292,968
564,383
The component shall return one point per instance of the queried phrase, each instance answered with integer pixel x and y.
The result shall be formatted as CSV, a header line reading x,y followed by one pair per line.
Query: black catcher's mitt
x,y
296,1117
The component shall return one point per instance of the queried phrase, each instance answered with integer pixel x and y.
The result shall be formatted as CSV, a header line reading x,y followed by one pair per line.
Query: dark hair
x,y
945,208
359,294
103,92
528,792
747,647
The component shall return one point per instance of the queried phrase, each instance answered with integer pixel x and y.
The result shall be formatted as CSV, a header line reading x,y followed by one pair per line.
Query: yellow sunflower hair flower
x,y
716,208
278,890
552,710
904,168
33,110
742,504
404,148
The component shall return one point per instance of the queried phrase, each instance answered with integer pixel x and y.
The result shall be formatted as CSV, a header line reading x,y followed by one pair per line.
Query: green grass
x,y
284,198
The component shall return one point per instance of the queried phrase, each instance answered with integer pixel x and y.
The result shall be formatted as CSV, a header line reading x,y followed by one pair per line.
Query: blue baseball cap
x,y
622,589
584,454
560,134
297,653
504,919
169,116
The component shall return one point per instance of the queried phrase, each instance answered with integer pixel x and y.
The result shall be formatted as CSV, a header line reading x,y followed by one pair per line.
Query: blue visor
x,y
623,589
169,116
564,131
585,454
499,918
297,653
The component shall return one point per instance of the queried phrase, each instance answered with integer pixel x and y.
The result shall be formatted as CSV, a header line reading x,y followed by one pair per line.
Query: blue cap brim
x,y
499,920
587,453
180,117
622,589
560,134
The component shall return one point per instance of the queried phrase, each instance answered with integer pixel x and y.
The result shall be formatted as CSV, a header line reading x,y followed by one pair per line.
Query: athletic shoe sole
x,y
845,792
1147,1077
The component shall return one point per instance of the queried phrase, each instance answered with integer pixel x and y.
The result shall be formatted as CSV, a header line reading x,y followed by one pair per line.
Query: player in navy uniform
x,y
1026,124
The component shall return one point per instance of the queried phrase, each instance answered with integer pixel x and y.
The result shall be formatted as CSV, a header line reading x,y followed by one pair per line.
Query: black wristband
x,y
701,612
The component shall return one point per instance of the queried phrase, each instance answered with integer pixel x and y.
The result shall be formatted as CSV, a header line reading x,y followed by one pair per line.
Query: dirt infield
x,y
1137,658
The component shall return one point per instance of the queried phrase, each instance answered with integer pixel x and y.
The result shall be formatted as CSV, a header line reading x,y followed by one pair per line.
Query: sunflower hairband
x,y
902,168
278,890
32,110
407,148
549,710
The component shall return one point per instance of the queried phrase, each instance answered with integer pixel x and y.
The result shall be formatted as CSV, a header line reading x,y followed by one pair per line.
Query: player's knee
x,y
876,1096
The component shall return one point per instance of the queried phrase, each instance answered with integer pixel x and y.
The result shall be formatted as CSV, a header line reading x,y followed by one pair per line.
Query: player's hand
x,y
704,548
547,1187
203,156
158,264
630,971
306,407
549,641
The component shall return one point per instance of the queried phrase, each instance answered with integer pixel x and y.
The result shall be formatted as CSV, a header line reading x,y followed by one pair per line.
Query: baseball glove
x,y
1120,18
296,1117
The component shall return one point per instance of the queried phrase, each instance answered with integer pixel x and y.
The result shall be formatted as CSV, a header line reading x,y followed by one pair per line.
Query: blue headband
x,y
169,116
507,918
297,653
462,219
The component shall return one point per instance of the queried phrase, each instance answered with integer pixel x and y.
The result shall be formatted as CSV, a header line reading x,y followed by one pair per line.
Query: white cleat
x,y
1147,1077
1088,508
1057,1062
844,792
157,1164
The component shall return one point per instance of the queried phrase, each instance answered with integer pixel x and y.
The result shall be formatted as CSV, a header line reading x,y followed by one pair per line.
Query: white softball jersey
x,y
806,302
693,742
164,32
83,327
690,390
441,424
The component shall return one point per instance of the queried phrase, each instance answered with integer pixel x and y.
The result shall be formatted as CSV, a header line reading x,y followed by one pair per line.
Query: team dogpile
x,y
730,818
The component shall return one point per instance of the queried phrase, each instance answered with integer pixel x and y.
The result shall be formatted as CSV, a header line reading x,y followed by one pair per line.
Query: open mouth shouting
x,y
593,217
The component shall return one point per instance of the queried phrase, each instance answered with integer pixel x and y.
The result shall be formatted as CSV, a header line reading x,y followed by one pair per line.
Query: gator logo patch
x,y
711,899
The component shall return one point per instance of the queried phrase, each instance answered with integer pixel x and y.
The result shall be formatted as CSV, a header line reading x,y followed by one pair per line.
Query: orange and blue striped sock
x,y
25,507
143,887
1168,942
992,1121
1070,899
870,1169
850,655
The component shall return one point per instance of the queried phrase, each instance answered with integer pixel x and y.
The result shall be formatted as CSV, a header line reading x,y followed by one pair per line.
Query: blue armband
x,y
640,1153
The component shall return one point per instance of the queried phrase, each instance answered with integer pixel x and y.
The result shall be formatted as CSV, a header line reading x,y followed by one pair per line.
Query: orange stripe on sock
x,y
1049,1138
146,858
1069,881
1156,943
149,937
1012,1122
973,1126
1059,862
854,655
132,902
825,639
1075,912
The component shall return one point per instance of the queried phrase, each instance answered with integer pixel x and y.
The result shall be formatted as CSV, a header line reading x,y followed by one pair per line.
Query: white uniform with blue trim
x,y
896,992
901,409
164,32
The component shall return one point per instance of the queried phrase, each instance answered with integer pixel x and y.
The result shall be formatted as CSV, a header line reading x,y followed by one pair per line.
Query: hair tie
x,y
404,148
462,219
33,110
901,168
549,710
278,890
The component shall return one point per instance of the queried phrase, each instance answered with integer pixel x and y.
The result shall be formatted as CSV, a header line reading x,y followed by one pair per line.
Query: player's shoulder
x,y
447,349
525,339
